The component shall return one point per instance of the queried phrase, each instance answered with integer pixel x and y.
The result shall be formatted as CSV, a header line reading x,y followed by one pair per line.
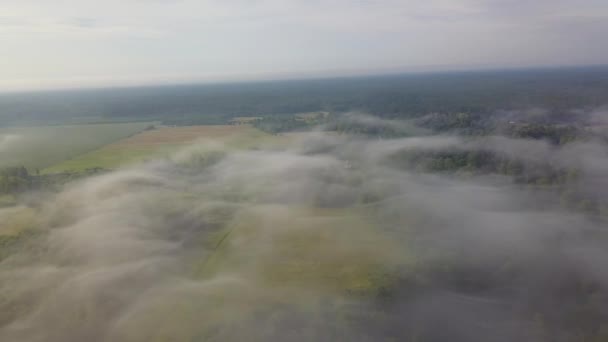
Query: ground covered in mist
x,y
334,237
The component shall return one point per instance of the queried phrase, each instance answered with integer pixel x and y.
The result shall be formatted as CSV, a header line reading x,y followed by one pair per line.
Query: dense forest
x,y
478,93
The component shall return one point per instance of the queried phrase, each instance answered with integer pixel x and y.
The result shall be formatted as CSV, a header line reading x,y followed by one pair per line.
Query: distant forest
x,y
480,93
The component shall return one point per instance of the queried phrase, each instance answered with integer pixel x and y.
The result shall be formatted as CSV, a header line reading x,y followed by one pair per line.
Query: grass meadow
x,y
43,146
160,142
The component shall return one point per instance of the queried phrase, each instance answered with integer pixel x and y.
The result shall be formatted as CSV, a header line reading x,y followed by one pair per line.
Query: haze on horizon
x,y
78,43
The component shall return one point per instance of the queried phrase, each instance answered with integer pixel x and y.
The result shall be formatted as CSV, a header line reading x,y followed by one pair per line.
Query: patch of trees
x,y
279,123
386,129
572,190
485,162
461,123
334,122
557,134
17,180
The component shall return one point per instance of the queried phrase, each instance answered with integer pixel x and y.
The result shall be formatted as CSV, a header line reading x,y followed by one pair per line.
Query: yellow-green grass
x,y
7,201
325,249
15,220
15,224
270,262
163,141
43,146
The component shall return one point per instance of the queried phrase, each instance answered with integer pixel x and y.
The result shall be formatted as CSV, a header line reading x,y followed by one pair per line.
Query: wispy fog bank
x,y
324,240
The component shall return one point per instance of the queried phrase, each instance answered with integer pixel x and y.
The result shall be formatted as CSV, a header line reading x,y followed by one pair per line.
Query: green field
x,y
43,146
305,251
161,142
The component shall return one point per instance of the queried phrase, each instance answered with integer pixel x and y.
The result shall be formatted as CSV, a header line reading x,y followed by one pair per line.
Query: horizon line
x,y
282,77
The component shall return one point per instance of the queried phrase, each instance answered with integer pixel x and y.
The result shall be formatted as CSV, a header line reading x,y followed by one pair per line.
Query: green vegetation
x,y
7,200
480,93
17,224
41,147
280,241
305,254
160,143
449,202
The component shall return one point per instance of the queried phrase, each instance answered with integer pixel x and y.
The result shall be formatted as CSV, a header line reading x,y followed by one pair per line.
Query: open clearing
x,y
304,248
42,146
162,141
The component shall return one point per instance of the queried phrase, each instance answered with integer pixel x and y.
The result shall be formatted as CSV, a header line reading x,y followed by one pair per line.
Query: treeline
x,y
17,180
398,97
458,123
570,188
551,128
557,134
281,123
336,122
484,162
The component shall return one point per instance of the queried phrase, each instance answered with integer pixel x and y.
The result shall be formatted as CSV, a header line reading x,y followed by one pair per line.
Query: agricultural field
x,y
305,253
16,223
243,120
43,146
7,201
160,142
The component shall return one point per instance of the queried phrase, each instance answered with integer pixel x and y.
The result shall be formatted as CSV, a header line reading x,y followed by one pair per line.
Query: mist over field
x,y
331,237
41,146
288,170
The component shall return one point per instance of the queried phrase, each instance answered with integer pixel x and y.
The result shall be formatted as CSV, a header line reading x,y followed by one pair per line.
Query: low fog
x,y
8,140
325,239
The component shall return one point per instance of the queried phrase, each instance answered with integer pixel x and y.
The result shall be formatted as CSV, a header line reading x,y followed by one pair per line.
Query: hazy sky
x,y
61,43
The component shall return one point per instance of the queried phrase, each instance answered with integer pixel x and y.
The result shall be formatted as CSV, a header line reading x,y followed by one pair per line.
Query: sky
x,y
81,43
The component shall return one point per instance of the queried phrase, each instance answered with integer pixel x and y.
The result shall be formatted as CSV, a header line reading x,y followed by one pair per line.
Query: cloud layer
x,y
324,240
